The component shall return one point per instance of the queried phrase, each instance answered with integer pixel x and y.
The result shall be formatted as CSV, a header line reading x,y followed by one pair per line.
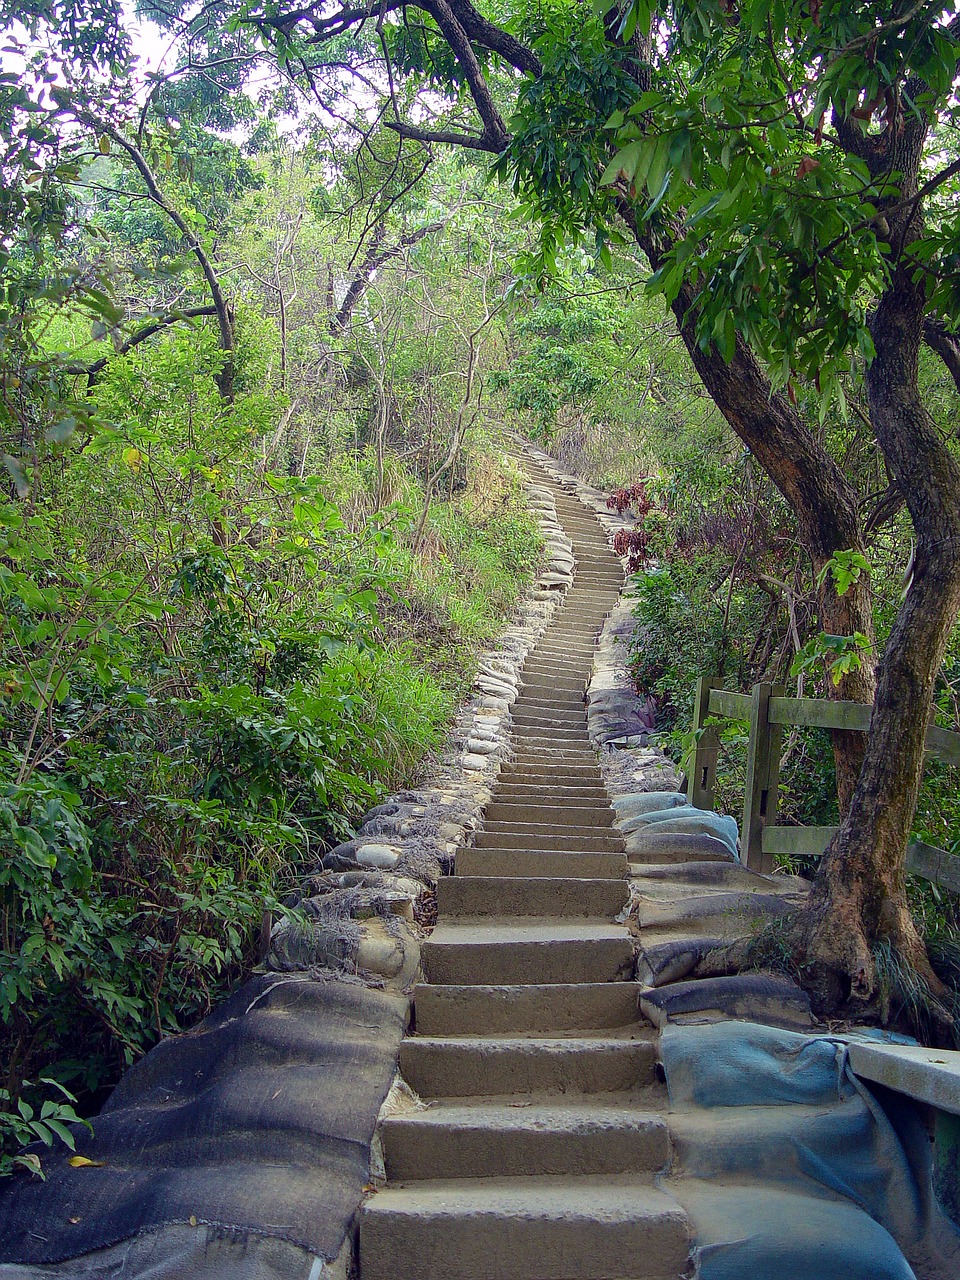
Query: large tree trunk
x,y
859,896
813,485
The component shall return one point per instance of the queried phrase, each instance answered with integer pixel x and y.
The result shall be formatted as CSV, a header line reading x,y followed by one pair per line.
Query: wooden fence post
x,y
702,777
763,778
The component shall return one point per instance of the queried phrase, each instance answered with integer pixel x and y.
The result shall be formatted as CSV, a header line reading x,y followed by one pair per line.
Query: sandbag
x,y
260,1120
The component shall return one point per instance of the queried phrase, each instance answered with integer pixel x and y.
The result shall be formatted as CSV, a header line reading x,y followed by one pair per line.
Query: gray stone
x,y
383,856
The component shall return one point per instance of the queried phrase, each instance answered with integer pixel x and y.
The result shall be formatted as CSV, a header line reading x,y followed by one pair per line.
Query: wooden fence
x,y
767,711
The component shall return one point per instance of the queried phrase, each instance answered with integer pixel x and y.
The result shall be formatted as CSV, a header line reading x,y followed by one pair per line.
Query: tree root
x,y
882,983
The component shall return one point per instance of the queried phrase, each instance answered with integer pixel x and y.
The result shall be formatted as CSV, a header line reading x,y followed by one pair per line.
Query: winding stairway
x,y
536,1154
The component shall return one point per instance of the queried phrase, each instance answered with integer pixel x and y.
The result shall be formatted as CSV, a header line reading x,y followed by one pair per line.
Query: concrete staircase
x,y
535,1158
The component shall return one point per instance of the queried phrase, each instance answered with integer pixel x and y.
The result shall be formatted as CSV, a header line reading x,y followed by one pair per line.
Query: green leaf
x,y
17,474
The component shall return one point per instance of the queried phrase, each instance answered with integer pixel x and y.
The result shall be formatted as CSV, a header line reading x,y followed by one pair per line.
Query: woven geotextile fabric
x,y
260,1121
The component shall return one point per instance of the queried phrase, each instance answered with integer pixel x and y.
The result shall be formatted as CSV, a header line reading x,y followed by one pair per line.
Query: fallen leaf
x,y
81,1162
73,1221
193,1220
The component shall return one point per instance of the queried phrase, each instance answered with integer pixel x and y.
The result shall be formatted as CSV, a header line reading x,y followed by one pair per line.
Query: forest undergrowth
x,y
243,586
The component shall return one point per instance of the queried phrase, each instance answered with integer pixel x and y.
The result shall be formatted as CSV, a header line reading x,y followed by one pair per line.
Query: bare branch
x,y
475,142
946,344
148,330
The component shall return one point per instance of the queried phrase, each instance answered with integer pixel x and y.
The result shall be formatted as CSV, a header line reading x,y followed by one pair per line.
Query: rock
x,y
497,689
450,831
685,820
626,742
655,845
394,954
666,962
481,746
476,762
383,856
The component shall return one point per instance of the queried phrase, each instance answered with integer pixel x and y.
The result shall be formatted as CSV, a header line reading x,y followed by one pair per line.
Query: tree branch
x,y
163,322
374,260
946,344
156,195
494,130
494,38
475,142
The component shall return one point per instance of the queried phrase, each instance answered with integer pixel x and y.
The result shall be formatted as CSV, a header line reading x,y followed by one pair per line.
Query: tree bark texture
x,y
859,896
813,485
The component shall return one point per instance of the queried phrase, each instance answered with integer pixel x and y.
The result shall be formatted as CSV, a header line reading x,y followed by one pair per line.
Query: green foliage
x,y
202,689
555,366
845,568
839,654
22,1124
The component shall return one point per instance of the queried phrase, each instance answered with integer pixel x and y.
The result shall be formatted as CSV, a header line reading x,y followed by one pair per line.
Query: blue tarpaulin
x,y
790,1168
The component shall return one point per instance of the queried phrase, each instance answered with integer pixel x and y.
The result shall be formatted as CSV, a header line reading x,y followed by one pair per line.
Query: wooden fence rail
x,y
767,710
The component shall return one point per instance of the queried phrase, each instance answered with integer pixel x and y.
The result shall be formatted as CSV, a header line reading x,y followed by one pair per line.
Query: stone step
x,y
491,1139
565,648
549,701
531,836
539,783
565,730
499,812
562,735
510,950
554,748
568,665
586,599
552,686
487,1009
481,1066
566,668
552,763
542,896
555,722
520,791
562,773
543,752
587,865
566,643
523,1229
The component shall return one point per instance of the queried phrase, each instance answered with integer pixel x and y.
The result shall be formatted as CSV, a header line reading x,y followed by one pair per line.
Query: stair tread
x,y
525,1110
542,1040
486,930
525,1009
567,1197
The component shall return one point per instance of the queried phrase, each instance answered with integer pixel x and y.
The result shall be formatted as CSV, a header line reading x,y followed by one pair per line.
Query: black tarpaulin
x,y
259,1120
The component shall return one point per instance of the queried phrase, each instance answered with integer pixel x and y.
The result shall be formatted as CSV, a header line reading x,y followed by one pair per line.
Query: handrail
x,y
821,713
736,706
768,710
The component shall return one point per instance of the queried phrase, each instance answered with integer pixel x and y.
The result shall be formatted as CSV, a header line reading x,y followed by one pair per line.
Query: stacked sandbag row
x,y
362,903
